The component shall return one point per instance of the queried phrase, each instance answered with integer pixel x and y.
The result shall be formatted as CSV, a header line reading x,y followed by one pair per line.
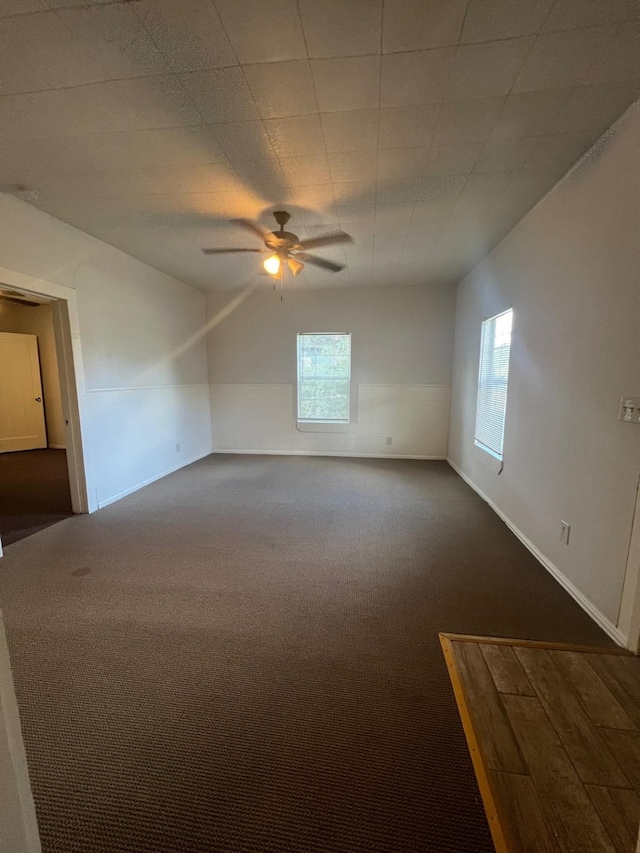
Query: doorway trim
x,y
629,616
69,353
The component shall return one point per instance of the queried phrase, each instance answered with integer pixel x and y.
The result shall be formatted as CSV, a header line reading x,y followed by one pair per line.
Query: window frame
x,y
327,424
492,457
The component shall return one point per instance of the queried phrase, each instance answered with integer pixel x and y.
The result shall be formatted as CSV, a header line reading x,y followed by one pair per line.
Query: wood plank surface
x,y
563,797
506,670
535,644
555,738
619,810
497,824
602,708
530,830
498,742
580,737
625,746
618,684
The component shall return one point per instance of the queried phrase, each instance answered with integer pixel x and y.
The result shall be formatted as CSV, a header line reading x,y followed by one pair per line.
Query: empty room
x,y
319,426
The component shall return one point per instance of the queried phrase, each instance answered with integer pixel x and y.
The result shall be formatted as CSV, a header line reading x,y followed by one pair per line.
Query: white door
x,y
21,409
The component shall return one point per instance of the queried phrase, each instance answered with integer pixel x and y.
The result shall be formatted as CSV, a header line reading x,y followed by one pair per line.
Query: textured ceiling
x,y
425,128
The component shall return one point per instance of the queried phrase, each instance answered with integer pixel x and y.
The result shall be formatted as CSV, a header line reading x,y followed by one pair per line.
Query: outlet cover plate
x,y
630,410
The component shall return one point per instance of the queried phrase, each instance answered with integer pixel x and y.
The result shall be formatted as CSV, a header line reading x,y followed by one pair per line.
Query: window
x,y
492,383
324,377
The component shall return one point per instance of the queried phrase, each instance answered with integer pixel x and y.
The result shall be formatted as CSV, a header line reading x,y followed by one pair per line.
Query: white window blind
x,y
492,382
324,377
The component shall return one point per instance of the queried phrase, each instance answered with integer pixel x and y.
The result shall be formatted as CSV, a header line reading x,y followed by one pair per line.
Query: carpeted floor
x,y
34,492
243,658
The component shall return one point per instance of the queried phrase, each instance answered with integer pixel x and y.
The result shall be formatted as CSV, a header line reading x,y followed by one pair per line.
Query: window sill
x,y
488,458
323,426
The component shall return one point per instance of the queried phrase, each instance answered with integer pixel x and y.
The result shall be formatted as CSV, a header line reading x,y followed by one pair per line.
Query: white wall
x,y
571,272
18,827
28,320
402,342
144,356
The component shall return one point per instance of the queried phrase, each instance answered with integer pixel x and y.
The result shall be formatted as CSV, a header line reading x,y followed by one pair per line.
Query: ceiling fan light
x,y
272,265
295,266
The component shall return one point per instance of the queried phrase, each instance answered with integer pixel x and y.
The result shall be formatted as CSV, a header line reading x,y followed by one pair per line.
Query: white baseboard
x,y
57,447
588,606
346,454
114,498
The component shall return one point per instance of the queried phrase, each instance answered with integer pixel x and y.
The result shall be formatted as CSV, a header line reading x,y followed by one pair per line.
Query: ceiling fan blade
x,y
227,251
326,240
248,225
319,262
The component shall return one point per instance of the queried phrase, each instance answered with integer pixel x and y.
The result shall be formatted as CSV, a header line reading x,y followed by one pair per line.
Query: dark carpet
x,y
34,492
243,658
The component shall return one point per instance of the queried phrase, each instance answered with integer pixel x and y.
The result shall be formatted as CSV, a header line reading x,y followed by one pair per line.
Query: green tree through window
x,y
324,377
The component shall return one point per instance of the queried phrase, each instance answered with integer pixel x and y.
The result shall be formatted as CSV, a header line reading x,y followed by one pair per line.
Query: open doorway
x,y
34,477
63,473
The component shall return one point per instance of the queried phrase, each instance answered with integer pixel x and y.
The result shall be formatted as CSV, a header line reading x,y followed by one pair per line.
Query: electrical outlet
x,y
565,530
630,410
389,439
178,448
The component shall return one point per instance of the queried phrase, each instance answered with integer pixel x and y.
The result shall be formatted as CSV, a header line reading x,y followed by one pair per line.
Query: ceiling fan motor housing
x,y
281,241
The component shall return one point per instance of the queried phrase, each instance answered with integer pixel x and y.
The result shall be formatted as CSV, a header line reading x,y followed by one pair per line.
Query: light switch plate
x,y
630,410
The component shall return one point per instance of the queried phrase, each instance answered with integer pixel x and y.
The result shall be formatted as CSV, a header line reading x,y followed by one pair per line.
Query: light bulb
x,y
295,266
272,265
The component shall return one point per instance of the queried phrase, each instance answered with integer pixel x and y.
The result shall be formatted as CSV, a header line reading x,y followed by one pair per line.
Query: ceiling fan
x,y
284,247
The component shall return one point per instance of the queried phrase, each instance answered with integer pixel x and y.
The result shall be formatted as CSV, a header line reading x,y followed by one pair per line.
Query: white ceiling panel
x,y
556,153
263,177
453,159
220,94
363,214
354,192
408,127
467,121
419,77
563,58
22,7
355,130
282,89
621,60
505,155
244,140
421,24
293,137
115,38
529,113
595,107
87,109
305,171
353,166
347,84
567,14
487,20
336,28
171,146
500,62
487,185
189,42
425,128
397,194
262,31
161,101
73,47
440,188
395,163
